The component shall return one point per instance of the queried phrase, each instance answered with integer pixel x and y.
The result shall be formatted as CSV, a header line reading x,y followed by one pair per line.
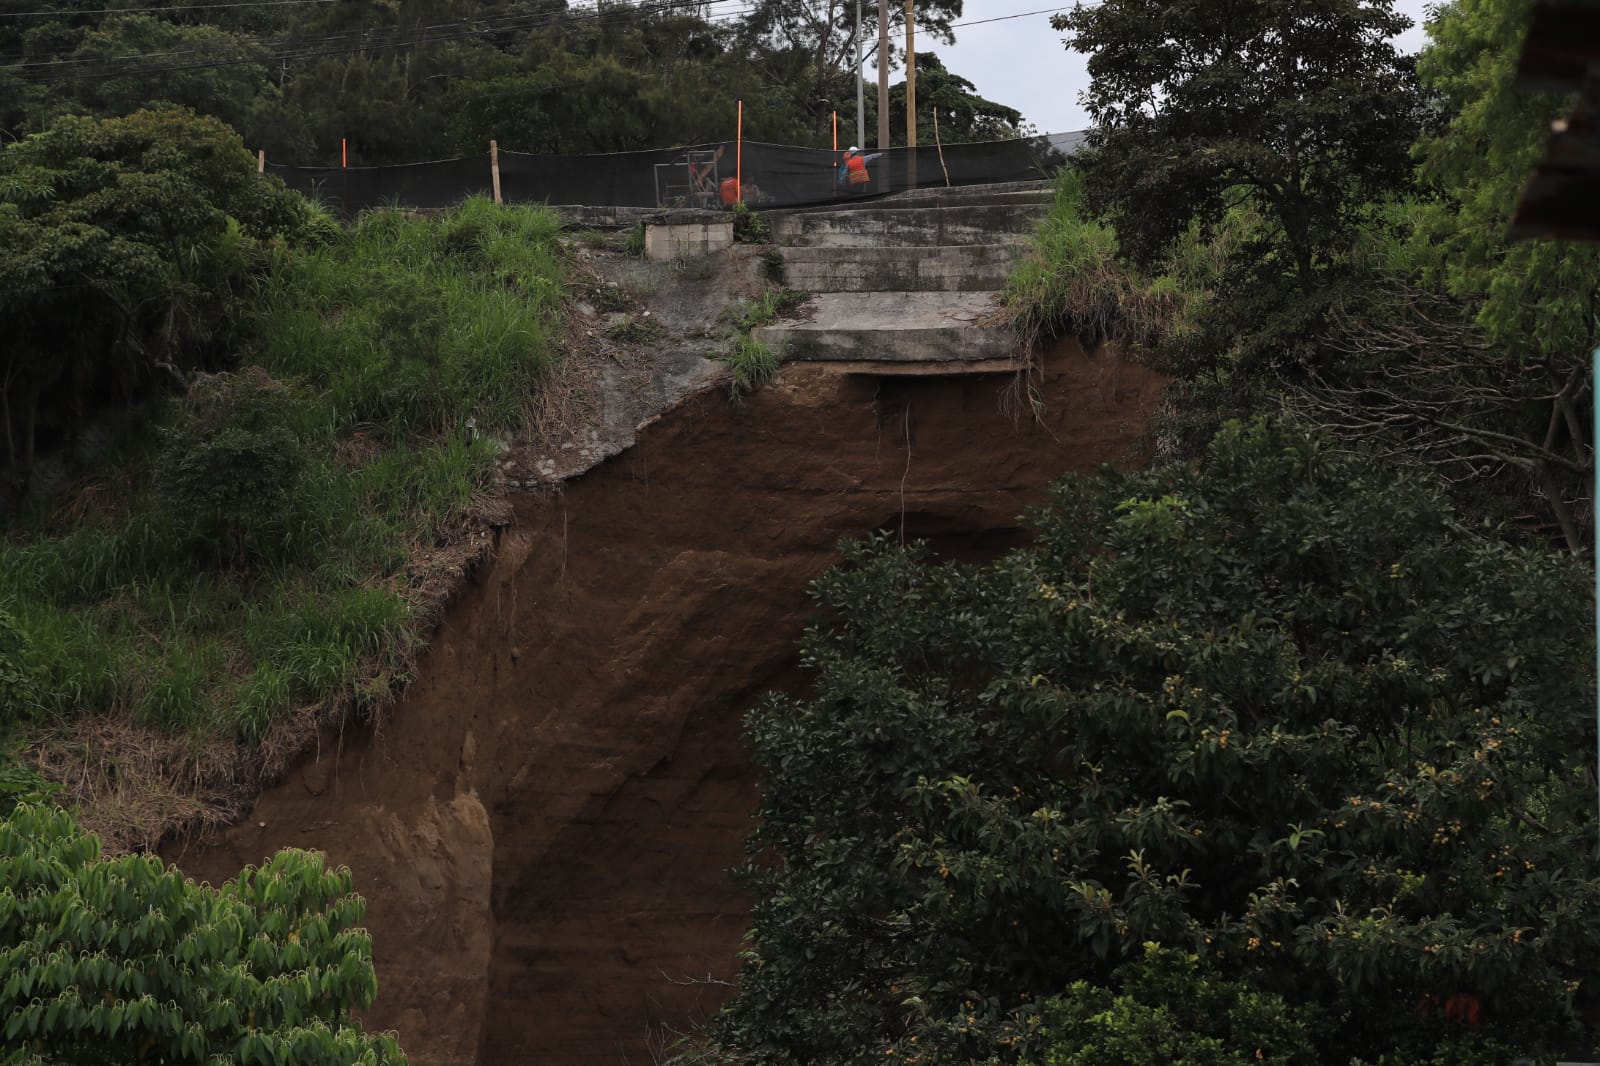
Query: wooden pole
x,y
861,87
883,75
261,161
344,152
937,143
911,94
738,155
494,169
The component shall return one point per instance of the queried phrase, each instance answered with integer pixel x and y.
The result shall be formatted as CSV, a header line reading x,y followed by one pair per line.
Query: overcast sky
x,y
1022,63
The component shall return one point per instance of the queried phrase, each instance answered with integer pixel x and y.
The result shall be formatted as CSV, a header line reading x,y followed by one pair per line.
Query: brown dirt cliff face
x,y
543,826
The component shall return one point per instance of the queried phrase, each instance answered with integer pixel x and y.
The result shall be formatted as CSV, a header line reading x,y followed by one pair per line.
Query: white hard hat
x,y
852,148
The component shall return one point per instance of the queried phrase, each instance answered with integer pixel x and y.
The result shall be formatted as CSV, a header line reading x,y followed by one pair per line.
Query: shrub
x,y
1165,1009
230,464
1284,712
119,960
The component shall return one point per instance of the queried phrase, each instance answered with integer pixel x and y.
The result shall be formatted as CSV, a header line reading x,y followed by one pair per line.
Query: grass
x,y
751,363
1072,282
634,243
766,307
391,337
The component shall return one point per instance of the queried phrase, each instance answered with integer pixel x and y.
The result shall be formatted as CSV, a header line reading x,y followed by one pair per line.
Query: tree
x,y
1537,303
819,37
1285,713
1465,351
964,116
122,961
1300,108
123,238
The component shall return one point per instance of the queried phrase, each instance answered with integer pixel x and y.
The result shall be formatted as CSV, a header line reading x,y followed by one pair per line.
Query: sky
x,y
1021,62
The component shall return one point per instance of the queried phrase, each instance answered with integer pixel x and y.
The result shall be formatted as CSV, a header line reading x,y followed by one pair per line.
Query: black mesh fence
x,y
706,176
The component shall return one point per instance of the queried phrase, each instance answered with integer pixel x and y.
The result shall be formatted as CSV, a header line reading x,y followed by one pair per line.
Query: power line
x,y
168,10
1003,18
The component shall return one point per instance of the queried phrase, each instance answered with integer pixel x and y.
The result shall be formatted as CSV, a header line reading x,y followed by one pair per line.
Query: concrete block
x,y
664,241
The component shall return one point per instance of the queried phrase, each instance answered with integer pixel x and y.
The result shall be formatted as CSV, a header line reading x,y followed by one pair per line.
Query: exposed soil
x,y
543,826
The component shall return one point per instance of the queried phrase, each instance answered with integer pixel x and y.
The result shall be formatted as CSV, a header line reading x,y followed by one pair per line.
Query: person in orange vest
x,y
853,173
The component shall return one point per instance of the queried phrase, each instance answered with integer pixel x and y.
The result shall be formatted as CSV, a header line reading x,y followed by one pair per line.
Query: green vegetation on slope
x,y
1384,306
119,960
260,548
1282,751
1285,713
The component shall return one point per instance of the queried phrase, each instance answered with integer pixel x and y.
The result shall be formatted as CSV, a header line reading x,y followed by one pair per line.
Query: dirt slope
x,y
543,827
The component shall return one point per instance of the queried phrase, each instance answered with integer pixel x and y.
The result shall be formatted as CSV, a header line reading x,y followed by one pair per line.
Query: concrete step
x,y
860,268
921,226
895,327
1030,192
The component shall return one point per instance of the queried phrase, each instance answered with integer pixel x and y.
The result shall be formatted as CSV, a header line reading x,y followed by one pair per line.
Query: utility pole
x,y
883,75
911,94
861,87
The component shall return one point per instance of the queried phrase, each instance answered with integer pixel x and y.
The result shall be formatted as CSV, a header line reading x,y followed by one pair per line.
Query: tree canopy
x,y
432,78
1285,712
123,238
1302,108
123,961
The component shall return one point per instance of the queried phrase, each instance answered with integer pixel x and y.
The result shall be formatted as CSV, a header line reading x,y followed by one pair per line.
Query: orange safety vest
x,y
858,170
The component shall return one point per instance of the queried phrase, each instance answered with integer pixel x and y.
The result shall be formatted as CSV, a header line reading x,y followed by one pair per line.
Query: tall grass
x,y
416,325
1071,281
396,333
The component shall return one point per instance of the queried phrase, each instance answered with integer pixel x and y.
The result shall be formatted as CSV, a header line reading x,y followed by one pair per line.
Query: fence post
x,y
738,157
261,161
494,168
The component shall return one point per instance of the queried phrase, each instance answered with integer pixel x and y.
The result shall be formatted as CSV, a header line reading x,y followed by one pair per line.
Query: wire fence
x,y
701,176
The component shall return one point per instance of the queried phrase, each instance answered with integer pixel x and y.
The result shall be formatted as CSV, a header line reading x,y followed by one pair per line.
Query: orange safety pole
x,y
738,157
836,131
344,152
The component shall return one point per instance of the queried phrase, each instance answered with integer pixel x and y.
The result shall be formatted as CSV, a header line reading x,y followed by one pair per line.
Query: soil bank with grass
x,y
543,824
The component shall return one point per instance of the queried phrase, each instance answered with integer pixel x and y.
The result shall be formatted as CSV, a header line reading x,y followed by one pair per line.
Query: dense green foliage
x,y
435,78
1167,1011
1300,108
126,243
122,961
256,555
1284,712
1426,334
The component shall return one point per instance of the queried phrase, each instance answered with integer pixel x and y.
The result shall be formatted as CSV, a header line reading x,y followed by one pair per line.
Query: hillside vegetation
x,y
266,549
1280,751
1283,750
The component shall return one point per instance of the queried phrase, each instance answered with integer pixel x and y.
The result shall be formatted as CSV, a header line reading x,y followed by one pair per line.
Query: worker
x,y
853,171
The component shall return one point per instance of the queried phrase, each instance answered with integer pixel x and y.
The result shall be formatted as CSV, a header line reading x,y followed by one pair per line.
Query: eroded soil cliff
x,y
543,826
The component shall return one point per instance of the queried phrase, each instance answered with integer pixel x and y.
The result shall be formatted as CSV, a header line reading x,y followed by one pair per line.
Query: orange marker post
x,y
836,131
344,152
738,156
